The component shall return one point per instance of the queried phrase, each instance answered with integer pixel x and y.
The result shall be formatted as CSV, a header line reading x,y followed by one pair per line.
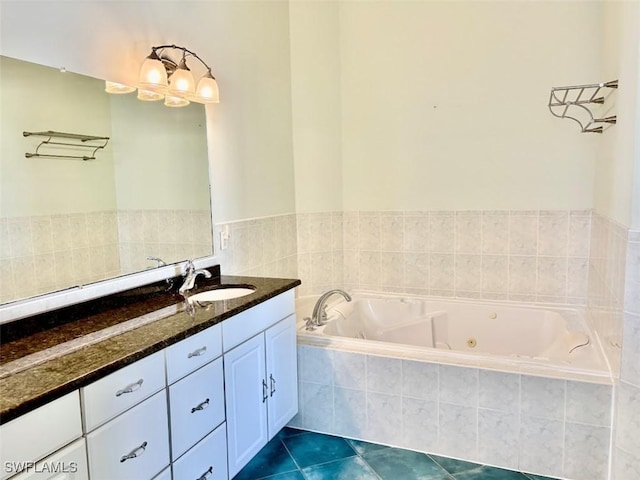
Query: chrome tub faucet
x,y
319,315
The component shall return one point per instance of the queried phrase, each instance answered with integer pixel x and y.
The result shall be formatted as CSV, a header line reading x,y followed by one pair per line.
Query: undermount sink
x,y
222,293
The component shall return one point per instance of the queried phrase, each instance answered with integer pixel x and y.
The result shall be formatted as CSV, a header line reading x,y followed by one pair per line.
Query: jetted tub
x,y
543,340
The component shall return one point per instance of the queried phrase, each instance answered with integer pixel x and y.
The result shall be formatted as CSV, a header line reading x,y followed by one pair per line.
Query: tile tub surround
x,y
521,422
606,293
299,455
537,256
46,381
627,426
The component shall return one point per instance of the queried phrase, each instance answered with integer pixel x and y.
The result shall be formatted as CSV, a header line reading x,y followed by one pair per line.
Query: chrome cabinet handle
x,y
265,389
206,474
273,385
130,388
136,452
198,352
200,406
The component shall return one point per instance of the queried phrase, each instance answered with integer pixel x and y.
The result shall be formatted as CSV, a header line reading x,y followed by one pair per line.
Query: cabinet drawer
x,y
70,463
206,461
121,390
196,405
134,445
249,323
191,353
40,432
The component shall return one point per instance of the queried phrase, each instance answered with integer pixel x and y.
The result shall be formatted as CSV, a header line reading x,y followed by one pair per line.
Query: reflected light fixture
x,y
162,77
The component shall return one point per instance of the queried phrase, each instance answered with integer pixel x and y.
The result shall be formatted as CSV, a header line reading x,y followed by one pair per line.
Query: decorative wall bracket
x,y
575,102
81,141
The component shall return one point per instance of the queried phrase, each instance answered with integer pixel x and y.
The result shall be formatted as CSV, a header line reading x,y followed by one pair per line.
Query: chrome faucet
x,y
190,275
319,315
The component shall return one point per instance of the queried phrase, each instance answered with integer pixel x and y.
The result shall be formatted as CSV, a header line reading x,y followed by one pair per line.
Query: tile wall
x,y
259,247
537,256
172,235
544,426
46,253
627,433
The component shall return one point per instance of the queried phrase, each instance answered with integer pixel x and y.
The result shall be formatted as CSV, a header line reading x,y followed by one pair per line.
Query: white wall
x,y
49,186
316,104
160,155
444,104
245,43
614,175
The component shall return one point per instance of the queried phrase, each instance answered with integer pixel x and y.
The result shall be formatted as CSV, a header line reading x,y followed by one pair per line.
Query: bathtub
x,y
522,387
544,340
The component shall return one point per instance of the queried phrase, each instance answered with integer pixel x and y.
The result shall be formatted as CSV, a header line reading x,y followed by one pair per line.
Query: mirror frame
x,y
27,307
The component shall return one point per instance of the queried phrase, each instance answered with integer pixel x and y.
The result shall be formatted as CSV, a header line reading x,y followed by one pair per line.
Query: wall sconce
x,y
161,77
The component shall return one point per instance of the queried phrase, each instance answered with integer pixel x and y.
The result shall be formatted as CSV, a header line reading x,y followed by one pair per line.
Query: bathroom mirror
x,y
81,210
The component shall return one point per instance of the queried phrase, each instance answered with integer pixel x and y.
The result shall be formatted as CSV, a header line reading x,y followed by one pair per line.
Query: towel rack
x,y
84,142
575,102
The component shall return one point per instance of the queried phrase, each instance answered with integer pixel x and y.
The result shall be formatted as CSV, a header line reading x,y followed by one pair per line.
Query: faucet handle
x,y
189,268
161,263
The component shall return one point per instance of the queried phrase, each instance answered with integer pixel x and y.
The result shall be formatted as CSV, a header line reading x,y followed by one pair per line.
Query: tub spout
x,y
319,315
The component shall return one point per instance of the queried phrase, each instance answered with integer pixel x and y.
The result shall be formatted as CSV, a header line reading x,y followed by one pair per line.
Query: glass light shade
x,y
113,87
153,76
149,96
181,83
207,90
171,101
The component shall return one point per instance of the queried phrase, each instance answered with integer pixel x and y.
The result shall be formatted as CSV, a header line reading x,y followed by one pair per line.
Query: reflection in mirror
x,y
65,221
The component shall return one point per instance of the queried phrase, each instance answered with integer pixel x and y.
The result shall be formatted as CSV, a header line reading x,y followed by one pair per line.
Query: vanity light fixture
x,y
162,77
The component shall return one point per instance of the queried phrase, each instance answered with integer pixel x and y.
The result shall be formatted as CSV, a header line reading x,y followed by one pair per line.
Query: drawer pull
x,y
206,474
200,406
265,389
130,388
273,385
198,352
136,452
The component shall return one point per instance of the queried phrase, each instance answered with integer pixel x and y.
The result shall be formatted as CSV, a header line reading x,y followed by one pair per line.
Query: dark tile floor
x,y
301,455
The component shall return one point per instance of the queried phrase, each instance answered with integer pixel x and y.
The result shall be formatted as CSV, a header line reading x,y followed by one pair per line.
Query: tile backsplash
x,y
41,254
259,247
506,255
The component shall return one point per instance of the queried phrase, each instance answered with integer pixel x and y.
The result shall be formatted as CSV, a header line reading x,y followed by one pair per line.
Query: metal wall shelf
x,y
575,102
83,141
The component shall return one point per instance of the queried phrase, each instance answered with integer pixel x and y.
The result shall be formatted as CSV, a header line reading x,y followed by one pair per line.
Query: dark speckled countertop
x,y
28,388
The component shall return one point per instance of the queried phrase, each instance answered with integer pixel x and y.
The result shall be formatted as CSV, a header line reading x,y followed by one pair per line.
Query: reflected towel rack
x,y
83,139
574,102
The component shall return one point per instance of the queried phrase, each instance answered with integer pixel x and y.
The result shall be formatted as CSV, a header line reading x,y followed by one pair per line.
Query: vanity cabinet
x,y
261,390
198,410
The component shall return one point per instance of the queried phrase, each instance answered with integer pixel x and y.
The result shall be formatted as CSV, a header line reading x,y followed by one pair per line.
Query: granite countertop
x,y
140,321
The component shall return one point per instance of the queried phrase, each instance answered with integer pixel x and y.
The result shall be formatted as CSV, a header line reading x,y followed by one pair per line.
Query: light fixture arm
x,y
185,51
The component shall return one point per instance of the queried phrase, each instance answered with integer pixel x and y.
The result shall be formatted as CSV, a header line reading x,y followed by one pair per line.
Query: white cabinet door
x,y
282,377
246,393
